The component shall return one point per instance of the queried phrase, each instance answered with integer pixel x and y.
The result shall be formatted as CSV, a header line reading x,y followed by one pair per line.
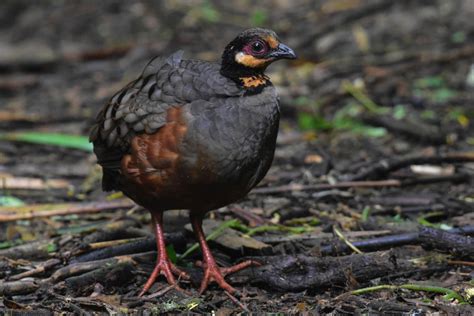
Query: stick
x,y
251,218
386,242
177,239
321,187
413,130
114,273
360,184
300,272
347,242
39,269
412,287
462,263
33,250
435,239
63,209
23,183
381,168
237,302
17,287
111,243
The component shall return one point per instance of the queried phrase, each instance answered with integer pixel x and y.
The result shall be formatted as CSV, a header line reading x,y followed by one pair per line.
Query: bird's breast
x,y
232,142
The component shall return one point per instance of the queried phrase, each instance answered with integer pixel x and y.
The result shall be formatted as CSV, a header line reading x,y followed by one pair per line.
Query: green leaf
x,y
458,37
302,100
258,18
11,243
51,248
307,122
428,114
359,128
51,139
359,94
399,112
371,131
171,253
429,82
443,95
10,201
365,214
209,13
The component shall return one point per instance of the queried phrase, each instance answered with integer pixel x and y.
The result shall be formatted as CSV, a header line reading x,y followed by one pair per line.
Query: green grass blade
x,y
51,139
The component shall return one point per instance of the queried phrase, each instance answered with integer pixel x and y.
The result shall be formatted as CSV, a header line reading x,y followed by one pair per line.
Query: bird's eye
x,y
258,47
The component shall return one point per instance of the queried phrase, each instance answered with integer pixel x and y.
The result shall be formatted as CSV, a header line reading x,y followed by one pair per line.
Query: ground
x,y
374,162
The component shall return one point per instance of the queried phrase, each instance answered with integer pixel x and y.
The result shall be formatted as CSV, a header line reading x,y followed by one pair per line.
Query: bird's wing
x,y
142,106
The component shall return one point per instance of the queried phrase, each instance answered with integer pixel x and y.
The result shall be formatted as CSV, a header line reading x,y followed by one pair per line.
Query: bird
x,y
195,135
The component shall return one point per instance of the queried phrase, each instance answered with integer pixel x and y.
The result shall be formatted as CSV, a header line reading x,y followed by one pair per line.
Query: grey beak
x,y
282,51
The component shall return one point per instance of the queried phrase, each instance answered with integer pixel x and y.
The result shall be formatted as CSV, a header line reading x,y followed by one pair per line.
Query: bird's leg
x,y
211,270
163,264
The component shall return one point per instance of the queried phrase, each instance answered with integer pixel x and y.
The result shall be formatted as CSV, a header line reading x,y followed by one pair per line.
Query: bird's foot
x,y
166,268
215,273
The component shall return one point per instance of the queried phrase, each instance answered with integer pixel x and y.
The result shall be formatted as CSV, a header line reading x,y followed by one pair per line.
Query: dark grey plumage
x,y
238,130
193,135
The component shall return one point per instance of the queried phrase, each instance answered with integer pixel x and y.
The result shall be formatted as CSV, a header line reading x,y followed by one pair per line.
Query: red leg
x,y
212,272
163,264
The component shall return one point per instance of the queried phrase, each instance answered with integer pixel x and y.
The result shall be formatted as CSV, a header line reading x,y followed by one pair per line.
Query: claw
x,y
166,268
163,264
213,272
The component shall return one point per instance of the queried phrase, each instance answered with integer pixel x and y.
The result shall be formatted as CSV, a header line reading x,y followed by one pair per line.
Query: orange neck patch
x,y
254,81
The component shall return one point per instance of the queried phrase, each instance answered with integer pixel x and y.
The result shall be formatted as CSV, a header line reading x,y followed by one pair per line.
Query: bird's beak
x,y
282,51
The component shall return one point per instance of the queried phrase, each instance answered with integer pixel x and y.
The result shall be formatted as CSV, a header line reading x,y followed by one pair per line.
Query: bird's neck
x,y
252,79
254,82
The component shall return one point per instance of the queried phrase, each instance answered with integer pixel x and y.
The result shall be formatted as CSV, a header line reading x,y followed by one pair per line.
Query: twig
x,y
118,271
17,287
22,183
462,263
409,128
237,302
16,83
408,209
316,236
33,250
177,239
100,53
447,242
163,291
347,242
381,168
8,214
363,98
450,294
251,218
74,269
385,242
320,187
360,184
39,269
300,272
111,243
77,268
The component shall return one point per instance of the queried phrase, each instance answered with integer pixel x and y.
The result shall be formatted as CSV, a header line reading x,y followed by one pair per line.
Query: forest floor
x,y
367,208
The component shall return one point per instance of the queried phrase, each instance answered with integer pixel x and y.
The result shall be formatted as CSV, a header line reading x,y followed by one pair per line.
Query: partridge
x,y
191,134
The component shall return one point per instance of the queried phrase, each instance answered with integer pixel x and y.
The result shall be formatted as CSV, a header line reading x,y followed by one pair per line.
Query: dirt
x,y
382,91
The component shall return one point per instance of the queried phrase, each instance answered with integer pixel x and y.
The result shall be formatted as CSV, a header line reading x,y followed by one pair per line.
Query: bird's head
x,y
251,52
